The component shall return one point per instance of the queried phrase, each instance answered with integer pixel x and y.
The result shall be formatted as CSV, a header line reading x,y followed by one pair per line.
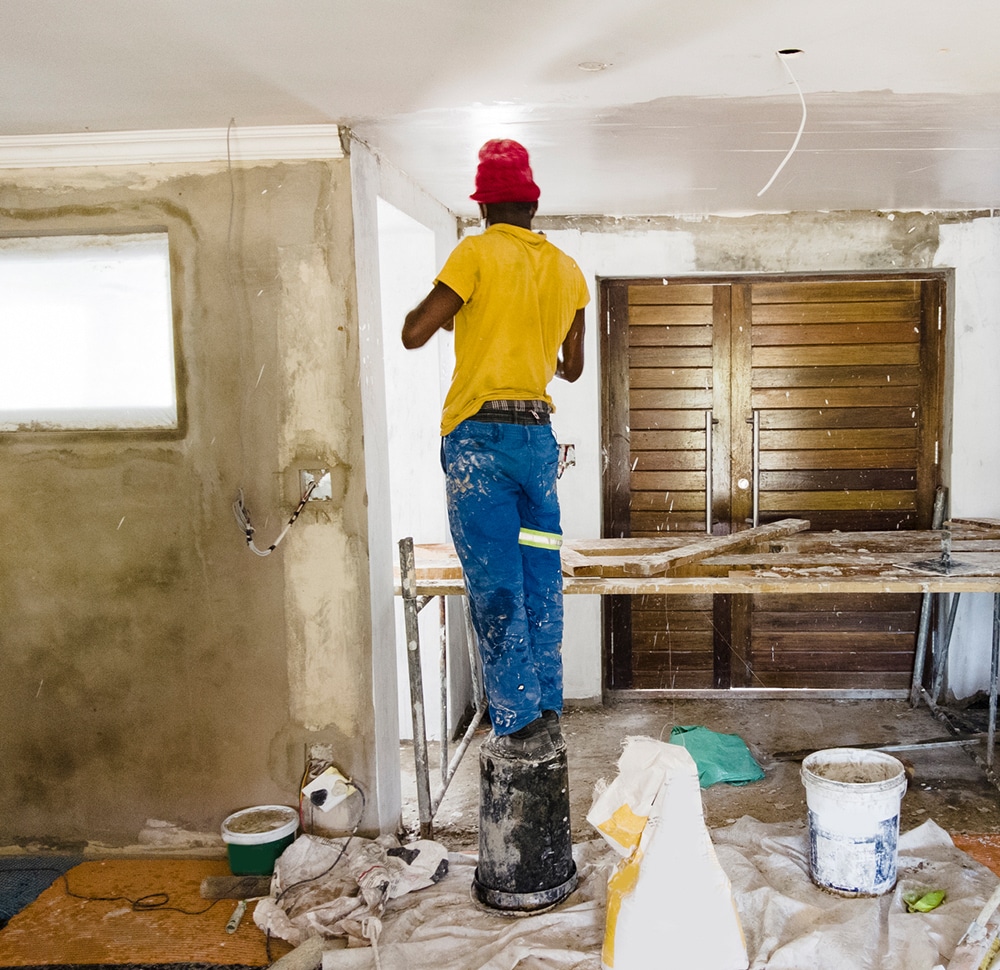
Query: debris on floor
x,y
442,928
789,923
719,757
338,887
980,943
647,892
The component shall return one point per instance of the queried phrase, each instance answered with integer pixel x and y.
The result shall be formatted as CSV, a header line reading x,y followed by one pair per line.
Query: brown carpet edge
x,y
90,917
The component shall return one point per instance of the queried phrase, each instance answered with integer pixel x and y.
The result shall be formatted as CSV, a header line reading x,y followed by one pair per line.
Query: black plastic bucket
x,y
525,847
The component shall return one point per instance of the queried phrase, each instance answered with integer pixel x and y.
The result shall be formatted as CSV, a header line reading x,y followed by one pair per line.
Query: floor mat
x,y
141,966
22,878
134,912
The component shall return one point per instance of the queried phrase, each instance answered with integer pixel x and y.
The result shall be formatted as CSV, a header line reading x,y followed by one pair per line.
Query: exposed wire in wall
x,y
783,56
242,514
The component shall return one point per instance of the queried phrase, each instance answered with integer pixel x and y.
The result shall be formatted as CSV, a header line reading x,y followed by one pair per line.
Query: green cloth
x,y
719,757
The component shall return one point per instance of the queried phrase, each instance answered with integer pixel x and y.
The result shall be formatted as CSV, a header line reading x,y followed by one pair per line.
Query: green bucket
x,y
255,837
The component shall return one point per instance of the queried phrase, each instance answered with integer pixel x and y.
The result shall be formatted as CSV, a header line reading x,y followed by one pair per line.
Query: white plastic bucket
x,y
853,797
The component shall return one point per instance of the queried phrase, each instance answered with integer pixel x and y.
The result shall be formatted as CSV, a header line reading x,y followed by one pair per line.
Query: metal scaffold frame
x,y
429,801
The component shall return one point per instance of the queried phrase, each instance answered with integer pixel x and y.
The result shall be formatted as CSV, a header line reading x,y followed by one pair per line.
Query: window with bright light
x,y
86,333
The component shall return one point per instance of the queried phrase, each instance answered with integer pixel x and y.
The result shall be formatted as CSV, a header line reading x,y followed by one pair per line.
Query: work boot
x,y
532,742
551,720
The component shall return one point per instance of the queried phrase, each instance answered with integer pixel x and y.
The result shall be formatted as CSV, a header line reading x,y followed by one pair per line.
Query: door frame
x,y
615,388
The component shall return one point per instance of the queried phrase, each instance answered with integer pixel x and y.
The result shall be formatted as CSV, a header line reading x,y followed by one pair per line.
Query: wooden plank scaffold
x,y
780,557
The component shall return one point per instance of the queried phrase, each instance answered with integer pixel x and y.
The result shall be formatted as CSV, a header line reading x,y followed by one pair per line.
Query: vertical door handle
x,y
754,420
708,472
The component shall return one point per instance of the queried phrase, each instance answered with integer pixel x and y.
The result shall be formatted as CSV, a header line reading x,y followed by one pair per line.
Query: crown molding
x,y
87,148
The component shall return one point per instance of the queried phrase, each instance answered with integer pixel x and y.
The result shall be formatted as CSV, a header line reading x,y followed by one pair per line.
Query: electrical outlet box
x,y
319,752
323,492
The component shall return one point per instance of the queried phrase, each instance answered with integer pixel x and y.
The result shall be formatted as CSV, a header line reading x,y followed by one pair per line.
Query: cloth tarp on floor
x,y
788,922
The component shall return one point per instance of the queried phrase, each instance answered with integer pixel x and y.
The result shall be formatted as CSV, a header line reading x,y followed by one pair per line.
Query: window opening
x,y
86,333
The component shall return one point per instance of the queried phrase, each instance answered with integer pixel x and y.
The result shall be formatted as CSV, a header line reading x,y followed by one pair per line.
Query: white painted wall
x,y
373,180
365,184
401,238
407,266
973,248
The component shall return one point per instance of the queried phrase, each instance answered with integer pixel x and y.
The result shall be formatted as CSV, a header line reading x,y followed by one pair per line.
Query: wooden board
x,y
879,562
658,563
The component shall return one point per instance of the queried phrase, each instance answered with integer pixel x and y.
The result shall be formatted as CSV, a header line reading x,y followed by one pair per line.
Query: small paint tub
x,y
853,796
255,837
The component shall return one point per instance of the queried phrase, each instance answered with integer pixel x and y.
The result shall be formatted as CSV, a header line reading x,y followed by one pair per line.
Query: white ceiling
x,y
693,114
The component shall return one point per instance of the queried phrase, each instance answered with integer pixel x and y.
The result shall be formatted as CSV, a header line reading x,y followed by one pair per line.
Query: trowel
x,y
979,943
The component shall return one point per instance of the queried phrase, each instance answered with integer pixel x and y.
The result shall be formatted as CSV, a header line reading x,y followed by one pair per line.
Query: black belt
x,y
511,417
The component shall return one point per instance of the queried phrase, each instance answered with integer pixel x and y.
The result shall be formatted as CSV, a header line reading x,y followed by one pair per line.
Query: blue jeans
x,y
504,517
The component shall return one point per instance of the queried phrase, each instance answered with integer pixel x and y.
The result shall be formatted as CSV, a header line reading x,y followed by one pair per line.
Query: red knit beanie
x,y
504,174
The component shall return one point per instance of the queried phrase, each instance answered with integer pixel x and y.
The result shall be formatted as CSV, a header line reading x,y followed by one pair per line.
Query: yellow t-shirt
x,y
521,294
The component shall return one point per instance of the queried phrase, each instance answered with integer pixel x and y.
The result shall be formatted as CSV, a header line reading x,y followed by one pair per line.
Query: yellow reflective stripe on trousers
x,y
540,540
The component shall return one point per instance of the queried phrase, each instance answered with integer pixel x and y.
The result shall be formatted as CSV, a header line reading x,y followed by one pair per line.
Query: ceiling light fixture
x,y
593,66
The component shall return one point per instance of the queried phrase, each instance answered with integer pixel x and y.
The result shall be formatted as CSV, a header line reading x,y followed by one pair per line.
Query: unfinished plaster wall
x,y
969,243
154,667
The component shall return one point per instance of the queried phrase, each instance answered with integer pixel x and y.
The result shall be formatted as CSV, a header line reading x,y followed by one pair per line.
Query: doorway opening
x,y
736,401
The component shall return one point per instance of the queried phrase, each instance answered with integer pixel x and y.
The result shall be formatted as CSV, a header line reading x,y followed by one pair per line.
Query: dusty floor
x,y
946,784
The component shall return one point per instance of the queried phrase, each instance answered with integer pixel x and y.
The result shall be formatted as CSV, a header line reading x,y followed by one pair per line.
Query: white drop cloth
x,y
789,923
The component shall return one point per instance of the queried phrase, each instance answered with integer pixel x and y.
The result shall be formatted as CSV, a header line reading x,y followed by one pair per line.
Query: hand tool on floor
x,y
979,943
234,921
241,907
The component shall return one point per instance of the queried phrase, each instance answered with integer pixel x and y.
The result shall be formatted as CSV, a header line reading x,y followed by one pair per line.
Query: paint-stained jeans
x,y
502,503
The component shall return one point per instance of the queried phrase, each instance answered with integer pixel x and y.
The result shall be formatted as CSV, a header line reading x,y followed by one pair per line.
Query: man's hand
x,y
435,312
569,365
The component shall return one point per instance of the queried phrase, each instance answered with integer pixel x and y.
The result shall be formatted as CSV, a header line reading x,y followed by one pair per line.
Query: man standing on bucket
x,y
516,303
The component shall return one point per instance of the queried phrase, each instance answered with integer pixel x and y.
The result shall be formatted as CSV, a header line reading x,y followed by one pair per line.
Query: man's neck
x,y
519,223
509,214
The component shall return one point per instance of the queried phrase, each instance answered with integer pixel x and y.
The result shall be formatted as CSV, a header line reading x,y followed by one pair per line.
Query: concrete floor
x,y
946,783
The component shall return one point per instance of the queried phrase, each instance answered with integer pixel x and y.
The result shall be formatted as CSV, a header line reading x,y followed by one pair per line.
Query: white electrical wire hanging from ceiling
x,y
783,55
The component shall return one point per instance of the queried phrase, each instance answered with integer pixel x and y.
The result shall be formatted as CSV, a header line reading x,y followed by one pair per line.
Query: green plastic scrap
x,y
919,901
719,757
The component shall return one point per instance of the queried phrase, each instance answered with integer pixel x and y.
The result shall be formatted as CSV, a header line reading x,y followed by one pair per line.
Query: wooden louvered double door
x,y
742,401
